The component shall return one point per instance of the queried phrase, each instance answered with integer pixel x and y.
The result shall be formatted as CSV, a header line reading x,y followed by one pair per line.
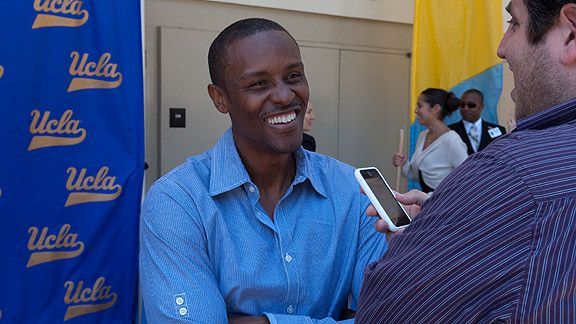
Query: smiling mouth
x,y
281,119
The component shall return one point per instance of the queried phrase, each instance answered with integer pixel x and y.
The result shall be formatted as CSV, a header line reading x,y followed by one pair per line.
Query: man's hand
x,y
412,202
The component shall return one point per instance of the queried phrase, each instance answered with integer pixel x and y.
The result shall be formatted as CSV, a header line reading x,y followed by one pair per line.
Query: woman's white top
x,y
436,161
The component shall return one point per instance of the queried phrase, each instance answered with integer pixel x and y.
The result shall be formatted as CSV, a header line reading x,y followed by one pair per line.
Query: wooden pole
x,y
400,150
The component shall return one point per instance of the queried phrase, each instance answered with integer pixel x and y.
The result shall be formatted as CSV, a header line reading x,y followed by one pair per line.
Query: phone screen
x,y
385,197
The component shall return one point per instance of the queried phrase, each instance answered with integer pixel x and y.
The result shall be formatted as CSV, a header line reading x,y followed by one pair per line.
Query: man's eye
x,y
258,84
294,76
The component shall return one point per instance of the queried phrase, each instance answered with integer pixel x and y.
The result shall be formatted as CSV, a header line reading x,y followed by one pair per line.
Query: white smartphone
x,y
382,198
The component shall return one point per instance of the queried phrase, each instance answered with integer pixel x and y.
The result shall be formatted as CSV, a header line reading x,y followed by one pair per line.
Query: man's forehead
x,y
261,47
263,41
471,96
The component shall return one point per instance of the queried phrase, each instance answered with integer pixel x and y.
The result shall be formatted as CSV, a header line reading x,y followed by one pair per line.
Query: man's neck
x,y
272,174
479,121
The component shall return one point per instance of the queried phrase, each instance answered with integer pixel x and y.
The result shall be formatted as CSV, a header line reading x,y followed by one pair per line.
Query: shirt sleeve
x,y
371,247
407,169
459,151
296,319
176,276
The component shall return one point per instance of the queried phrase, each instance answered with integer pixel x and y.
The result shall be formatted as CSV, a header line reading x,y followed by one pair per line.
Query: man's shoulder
x,y
194,170
332,173
456,125
325,163
491,125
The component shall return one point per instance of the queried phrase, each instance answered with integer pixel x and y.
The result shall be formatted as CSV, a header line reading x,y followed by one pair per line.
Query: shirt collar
x,y
228,171
554,116
468,125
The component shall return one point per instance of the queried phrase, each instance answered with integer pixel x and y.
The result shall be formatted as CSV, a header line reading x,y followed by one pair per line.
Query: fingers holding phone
x,y
382,198
412,197
412,201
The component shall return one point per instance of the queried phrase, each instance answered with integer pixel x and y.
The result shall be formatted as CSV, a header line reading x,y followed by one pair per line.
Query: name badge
x,y
494,132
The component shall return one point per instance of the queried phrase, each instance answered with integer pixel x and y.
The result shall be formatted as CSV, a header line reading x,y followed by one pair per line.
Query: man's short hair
x,y
542,16
231,34
477,92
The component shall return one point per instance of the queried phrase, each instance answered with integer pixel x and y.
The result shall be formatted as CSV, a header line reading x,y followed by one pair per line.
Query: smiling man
x,y
496,243
257,229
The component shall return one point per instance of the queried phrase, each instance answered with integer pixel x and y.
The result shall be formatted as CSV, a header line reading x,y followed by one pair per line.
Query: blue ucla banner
x,y
71,160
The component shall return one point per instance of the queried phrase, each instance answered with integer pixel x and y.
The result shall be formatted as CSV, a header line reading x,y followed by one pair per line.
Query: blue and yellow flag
x,y
454,48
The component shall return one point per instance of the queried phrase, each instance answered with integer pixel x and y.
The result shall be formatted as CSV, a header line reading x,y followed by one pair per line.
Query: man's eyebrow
x,y
257,74
295,65
252,75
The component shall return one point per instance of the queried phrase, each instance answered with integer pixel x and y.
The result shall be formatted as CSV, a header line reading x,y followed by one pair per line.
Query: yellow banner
x,y
453,41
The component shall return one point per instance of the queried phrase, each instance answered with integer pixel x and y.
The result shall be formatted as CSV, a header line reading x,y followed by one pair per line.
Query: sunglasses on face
x,y
468,104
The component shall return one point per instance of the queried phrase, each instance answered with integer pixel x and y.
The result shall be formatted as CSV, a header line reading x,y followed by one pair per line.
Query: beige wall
x,y
401,11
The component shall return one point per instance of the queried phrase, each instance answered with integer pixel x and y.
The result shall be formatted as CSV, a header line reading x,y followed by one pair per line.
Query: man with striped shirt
x,y
502,249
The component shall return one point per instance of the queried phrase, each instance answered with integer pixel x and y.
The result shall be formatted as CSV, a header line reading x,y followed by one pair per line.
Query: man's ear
x,y
568,23
218,97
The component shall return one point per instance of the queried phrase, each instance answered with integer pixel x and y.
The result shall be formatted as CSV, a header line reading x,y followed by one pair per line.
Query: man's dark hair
x,y
231,34
542,16
475,91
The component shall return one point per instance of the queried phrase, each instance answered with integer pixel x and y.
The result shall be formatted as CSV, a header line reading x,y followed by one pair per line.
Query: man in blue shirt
x,y
503,249
256,229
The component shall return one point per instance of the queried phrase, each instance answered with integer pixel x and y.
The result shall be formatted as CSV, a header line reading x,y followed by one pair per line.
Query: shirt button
x,y
290,309
183,311
251,188
179,301
288,258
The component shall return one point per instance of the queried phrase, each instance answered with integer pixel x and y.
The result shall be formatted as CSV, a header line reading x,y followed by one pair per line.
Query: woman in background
x,y
439,150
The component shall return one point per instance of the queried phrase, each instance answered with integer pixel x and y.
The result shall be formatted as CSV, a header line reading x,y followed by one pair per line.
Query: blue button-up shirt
x,y
208,248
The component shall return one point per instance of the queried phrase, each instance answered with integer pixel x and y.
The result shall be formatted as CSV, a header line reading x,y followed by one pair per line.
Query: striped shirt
x,y
209,250
502,249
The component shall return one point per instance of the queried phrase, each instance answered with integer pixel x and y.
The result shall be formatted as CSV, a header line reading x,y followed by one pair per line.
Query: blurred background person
x,y
439,150
308,142
475,132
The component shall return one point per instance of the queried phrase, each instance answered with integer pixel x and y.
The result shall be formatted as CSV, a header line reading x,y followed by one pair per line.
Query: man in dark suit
x,y
475,132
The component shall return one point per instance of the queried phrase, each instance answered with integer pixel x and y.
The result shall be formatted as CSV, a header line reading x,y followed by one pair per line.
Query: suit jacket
x,y
484,140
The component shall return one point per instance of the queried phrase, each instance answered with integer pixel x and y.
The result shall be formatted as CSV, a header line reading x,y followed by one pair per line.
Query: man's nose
x,y
282,94
501,52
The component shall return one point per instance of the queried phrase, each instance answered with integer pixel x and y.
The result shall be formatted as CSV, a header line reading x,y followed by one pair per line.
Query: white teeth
x,y
284,119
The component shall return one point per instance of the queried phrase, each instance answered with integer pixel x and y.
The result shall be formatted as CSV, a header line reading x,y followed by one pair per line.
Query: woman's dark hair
x,y
542,16
447,100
